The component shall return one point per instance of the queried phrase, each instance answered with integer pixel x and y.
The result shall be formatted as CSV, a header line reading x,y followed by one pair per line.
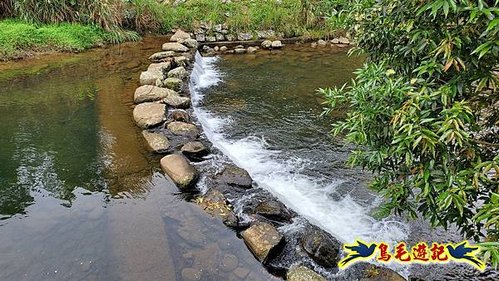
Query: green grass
x,y
18,38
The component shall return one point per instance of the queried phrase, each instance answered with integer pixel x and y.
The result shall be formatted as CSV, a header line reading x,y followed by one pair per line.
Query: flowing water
x,y
80,197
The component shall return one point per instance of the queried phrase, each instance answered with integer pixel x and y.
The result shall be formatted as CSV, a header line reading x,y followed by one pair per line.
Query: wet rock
x,y
276,44
180,35
148,93
150,77
344,40
200,37
181,61
180,115
261,238
149,114
194,150
229,262
240,50
321,246
321,43
190,43
161,56
191,274
368,272
178,168
183,129
273,210
223,48
215,204
235,176
176,47
335,41
173,83
267,44
176,101
178,72
156,142
303,273
252,50
244,36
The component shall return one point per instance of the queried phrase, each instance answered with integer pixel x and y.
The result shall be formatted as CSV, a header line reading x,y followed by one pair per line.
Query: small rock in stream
x,y
194,150
147,93
178,168
261,238
183,129
235,176
180,115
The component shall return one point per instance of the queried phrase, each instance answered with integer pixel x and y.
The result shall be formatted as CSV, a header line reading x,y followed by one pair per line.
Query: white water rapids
x,y
345,219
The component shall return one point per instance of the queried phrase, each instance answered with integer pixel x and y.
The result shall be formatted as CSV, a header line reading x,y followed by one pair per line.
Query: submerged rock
x,y
176,47
161,56
149,114
180,35
156,142
183,129
147,93
215,204
261,238
178,168
178,72
303,273
194,150
321,246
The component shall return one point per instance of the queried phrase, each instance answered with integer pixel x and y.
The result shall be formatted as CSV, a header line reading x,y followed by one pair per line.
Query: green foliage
x,y
416,106
17,37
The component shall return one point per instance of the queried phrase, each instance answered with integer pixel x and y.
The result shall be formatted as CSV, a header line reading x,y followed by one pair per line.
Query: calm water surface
x,y
80,197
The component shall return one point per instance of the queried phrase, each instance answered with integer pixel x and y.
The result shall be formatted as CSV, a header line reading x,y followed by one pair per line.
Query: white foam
x,y
345,219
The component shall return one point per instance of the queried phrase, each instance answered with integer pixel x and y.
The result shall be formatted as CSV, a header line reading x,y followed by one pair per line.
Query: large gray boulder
x,y
150,77
180,35
261,238
183,129
178,168
156,142
148,93
176,47
149,114
176,101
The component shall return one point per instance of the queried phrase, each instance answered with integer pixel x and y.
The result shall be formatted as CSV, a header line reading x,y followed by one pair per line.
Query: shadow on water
x,y
80,197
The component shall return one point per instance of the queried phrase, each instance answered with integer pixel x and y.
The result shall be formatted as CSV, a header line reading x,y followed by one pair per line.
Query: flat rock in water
x,y
178,72
176,101
175,47
150,77
149,114
194,150
261,238
215,204
183,129
161,55
156,142
178,168
235,176
147,93
303,273
180,35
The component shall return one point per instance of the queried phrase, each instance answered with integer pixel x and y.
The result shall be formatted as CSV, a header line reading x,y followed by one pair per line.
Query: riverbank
x,y
44,30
